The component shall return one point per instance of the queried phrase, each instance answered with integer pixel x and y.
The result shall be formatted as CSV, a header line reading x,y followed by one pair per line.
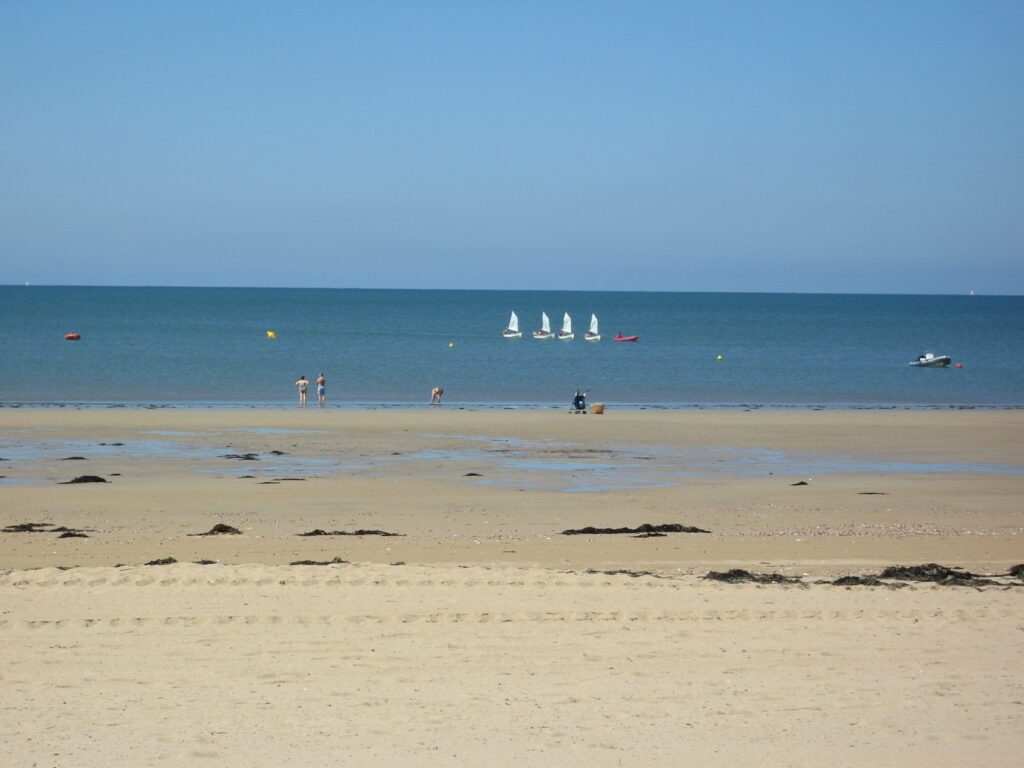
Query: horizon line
x,y
504,290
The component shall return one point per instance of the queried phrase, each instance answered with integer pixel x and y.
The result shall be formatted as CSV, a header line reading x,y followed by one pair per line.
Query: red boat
x,y
620,337
71,337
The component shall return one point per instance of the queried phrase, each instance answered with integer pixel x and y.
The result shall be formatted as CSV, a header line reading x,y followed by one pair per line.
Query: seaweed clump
x,y
360,532
220,529
936,574
740,576
646,528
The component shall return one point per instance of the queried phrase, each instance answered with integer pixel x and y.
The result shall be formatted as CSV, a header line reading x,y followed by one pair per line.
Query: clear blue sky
x,y
775,146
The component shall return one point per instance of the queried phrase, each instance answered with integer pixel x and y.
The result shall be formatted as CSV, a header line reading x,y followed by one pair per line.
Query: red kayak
x,y
71,337
620,337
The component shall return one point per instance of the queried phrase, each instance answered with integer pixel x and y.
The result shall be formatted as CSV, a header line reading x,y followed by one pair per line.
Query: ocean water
x,y
173,345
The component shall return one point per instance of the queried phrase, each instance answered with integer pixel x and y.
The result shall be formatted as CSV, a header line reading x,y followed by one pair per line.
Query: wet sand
x,y
490,641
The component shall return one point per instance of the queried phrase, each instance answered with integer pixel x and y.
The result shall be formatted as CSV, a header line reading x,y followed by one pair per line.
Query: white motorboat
x,y
928,360
566,333
545,328
512,332
592,334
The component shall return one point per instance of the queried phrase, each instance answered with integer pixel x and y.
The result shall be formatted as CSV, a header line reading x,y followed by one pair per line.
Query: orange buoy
x,y
72,336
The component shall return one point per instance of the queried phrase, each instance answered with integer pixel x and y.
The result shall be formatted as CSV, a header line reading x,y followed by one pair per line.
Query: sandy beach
x,y
480,627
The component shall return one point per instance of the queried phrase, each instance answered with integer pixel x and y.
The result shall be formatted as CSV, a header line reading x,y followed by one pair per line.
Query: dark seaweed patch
x,y
28,528
85,479
861,581
645,528
936,574
335,561
219,529
739,576
626,572
360,532
163,561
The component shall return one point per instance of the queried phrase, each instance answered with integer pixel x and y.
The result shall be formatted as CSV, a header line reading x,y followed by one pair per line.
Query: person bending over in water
x,y
321,388
303,385
435,395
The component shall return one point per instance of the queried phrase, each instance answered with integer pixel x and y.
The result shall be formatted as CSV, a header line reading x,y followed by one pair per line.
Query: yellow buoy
x,y
271,335
719,357
451,346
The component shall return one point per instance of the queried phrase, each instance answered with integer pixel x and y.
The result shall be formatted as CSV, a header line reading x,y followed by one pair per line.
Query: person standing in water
x,y
435,395
321,389
303,385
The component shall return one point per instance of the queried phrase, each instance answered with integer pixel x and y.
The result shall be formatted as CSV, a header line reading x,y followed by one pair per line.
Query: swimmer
x,y
321,388
303,385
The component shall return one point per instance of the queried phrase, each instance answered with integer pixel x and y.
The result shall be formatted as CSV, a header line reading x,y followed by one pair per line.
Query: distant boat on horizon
x,y
512,332
545,328
566,333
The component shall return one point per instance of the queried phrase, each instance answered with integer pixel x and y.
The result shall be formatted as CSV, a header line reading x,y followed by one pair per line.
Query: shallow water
x,y
379,348
507,461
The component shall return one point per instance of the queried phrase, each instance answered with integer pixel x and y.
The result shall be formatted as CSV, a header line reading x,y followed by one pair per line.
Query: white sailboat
x,y
592,334
512,332
545,328
566,333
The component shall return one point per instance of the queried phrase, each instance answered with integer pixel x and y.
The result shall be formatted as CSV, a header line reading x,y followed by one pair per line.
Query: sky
x,y
684,146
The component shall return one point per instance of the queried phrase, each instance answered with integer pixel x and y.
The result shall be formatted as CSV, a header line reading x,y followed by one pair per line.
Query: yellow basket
x,y
597,408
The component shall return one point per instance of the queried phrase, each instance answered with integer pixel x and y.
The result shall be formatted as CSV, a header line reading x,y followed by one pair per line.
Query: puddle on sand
x,y
514,462
503,461
280,431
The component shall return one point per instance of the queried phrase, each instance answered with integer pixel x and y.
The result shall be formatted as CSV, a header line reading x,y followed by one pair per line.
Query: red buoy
x,y
959,365
72,336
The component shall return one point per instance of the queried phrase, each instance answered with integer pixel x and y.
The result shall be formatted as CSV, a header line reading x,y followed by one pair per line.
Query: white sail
x,y
593,325
513,323
566,325
545,323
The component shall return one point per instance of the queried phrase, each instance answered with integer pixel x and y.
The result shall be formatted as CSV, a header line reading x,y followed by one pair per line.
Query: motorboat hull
x,y
940,361
626,338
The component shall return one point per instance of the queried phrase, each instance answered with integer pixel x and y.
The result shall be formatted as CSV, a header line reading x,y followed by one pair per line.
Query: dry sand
x,y
490,644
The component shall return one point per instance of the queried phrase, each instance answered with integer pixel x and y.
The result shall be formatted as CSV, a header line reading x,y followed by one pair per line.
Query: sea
x,y
379,348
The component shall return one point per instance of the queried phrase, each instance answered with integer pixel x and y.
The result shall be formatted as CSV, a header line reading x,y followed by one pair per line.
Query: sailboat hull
x,y
507,334
563,336
592,336
542,335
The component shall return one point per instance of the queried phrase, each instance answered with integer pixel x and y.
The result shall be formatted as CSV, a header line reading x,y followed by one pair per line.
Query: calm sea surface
x,y
382,346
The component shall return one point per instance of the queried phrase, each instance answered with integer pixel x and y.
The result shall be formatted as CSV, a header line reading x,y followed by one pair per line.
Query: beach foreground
x,y
440,665
480,633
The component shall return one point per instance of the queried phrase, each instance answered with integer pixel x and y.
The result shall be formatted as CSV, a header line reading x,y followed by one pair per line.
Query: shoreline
x,y
358,405
823,492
